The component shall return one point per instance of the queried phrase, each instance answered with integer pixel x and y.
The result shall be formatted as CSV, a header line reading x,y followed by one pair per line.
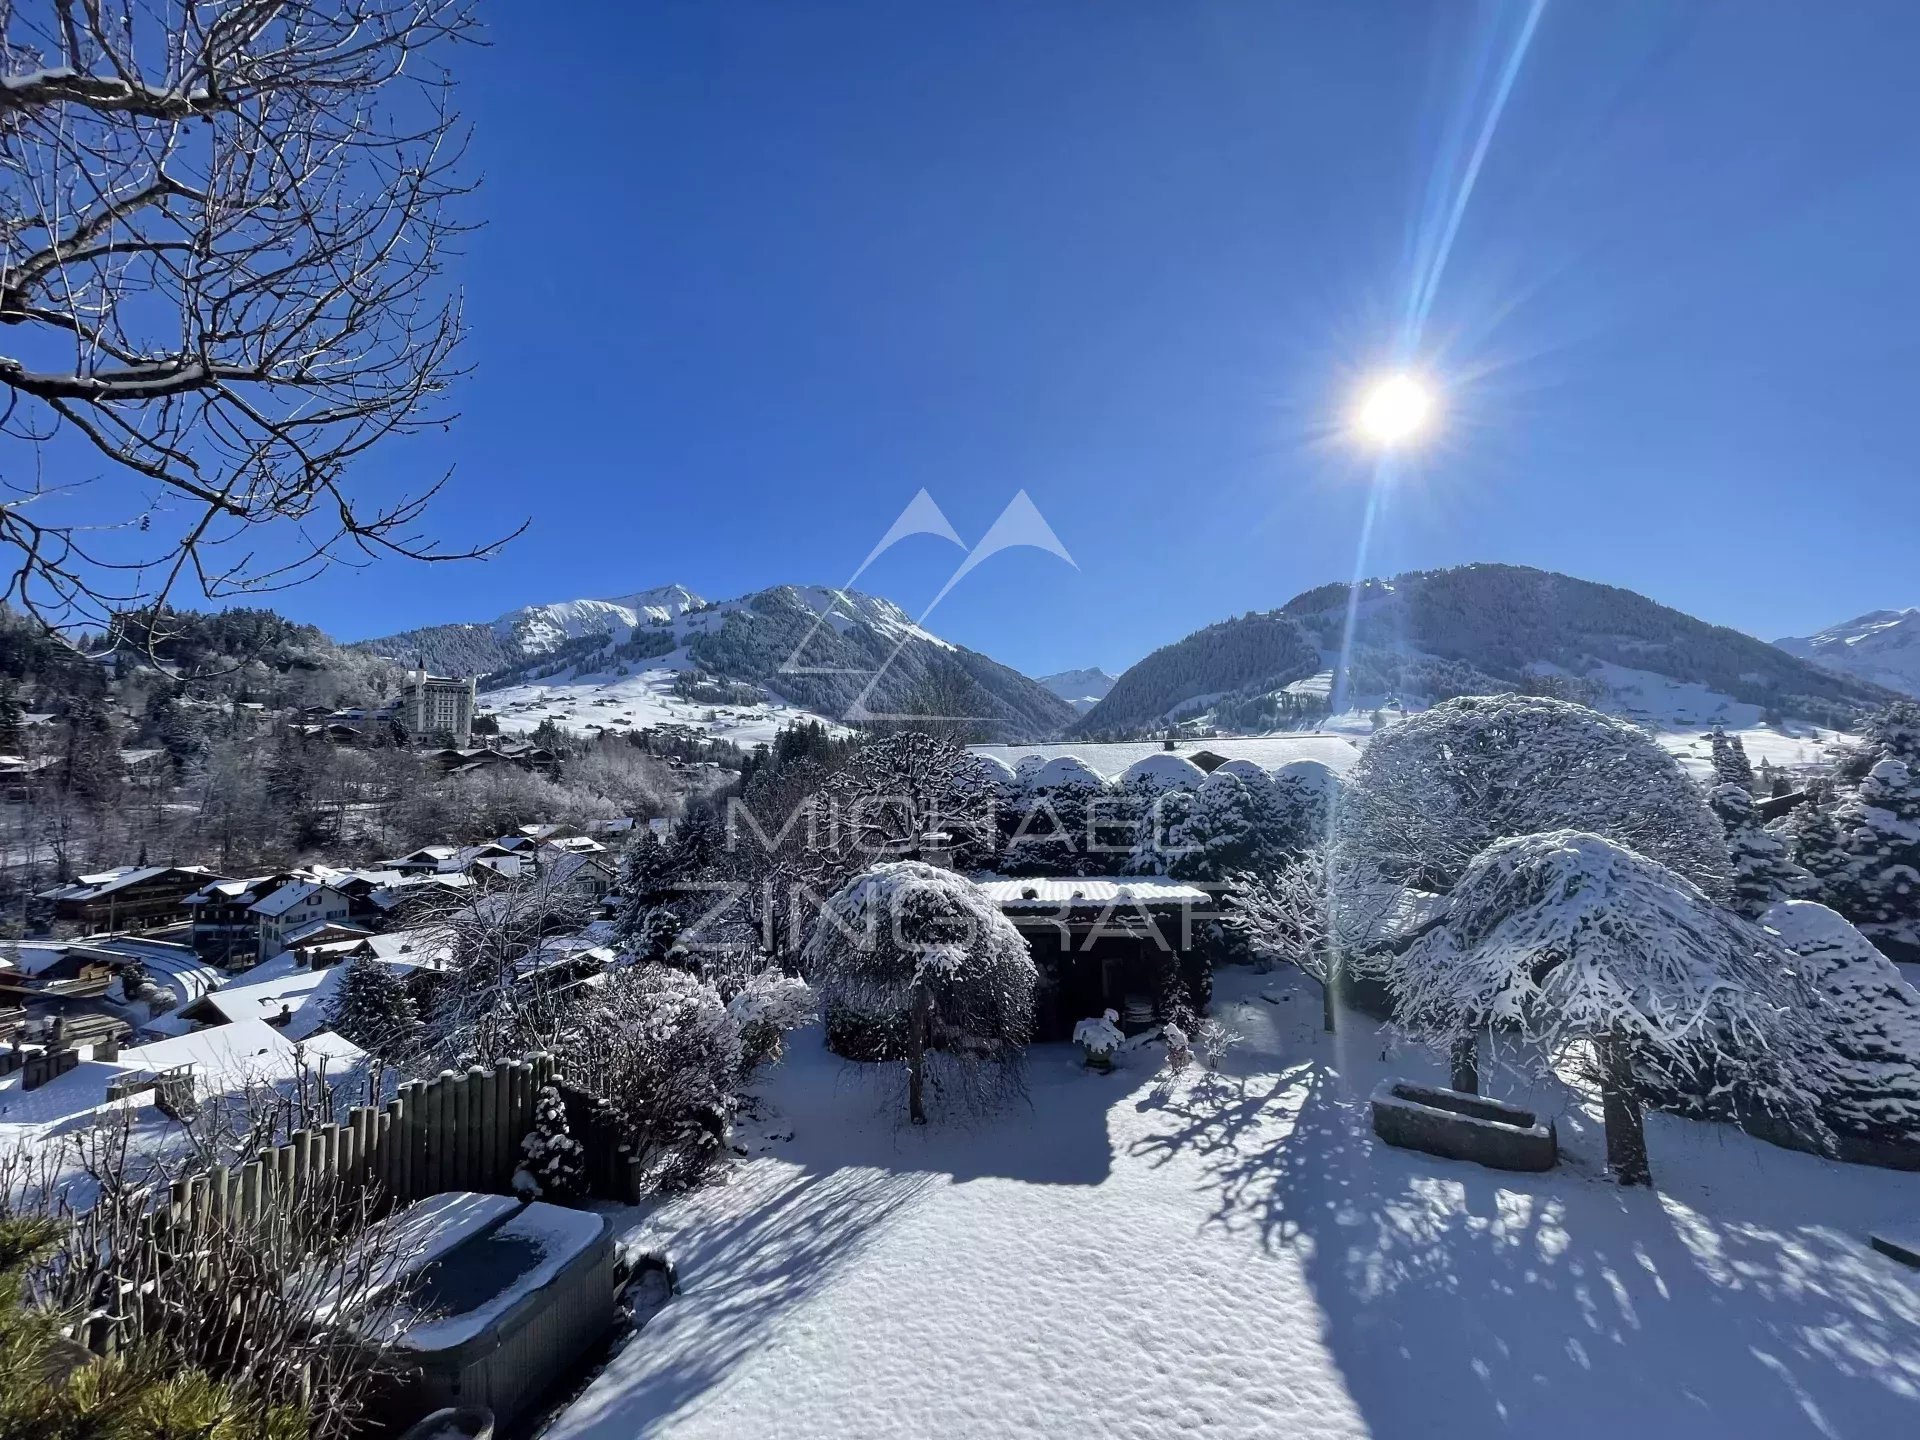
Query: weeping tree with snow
x,y
911,961
1281,913
1871,1017
1762,869
553,1165
1597,956
1436,789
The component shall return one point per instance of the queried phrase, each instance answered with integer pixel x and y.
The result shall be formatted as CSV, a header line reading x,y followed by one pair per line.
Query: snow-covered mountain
x,y
739,667
1082,689
1428,635
1882,646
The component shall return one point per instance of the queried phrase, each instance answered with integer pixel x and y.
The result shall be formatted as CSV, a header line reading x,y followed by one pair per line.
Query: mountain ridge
x,y
837,653
1423,636
1881,646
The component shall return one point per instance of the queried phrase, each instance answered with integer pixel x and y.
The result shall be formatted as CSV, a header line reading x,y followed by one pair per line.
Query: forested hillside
x,y
1503,620
767,640
1252,655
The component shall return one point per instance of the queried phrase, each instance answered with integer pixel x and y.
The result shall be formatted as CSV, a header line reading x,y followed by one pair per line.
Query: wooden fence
x,y
456,1131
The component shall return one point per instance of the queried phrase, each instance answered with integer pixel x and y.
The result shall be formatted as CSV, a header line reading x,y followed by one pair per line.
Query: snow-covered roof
x,y
293,938
225,890
225,1059
285,898
268,989
29,957
89,887
1165,769
1044,892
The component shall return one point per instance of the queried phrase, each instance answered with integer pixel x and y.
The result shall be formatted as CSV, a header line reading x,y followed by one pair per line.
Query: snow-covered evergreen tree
x,y
1232,824
553,1165
1162,817
1577,944
1872,1021
1880,828
1305,795
372,1008
1730,763
1762,870
1814,842
910,959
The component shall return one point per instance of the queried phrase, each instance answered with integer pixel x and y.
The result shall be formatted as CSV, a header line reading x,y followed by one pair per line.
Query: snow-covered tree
x,y
910,959
1762,870
1588,950
1894,733
1050,816
896,791
1871,1018
1161,816
553,1165
764,1010
1232,824
372,1008
1306,793
1282,915
1433,791
659,1048
1880,828
1730,763
1814,842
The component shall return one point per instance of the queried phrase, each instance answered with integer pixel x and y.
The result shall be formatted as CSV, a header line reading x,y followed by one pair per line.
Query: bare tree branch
x,y
224,233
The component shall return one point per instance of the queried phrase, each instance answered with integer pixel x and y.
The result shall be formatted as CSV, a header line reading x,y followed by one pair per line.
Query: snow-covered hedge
x,y
1871,1022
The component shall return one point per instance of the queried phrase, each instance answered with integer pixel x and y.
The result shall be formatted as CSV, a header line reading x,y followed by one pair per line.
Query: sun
x,y
1394,410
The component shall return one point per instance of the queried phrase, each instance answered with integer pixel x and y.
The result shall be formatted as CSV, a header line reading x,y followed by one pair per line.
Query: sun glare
x,y
1394,410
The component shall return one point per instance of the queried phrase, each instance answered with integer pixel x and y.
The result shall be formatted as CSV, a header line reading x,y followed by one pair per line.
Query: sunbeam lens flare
x,y
1394,410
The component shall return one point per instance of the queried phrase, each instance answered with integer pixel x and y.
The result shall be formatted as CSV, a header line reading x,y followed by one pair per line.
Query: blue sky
x,y
753,274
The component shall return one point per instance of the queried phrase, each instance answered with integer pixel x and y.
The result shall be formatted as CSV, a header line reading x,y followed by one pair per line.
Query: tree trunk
x,y
1330,993
1621,1114
919,1006
1464,1062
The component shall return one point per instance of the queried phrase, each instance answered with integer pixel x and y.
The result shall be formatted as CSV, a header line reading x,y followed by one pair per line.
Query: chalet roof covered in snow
x,y
285,898
278,987
106,882
225,1059
1336,752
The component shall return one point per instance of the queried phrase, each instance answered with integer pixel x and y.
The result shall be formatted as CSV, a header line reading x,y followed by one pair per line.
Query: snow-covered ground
x,y
1795,748
1235,1255
590,703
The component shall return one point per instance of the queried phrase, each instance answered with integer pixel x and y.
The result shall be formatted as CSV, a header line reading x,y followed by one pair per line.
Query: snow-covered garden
x,y
1232,1252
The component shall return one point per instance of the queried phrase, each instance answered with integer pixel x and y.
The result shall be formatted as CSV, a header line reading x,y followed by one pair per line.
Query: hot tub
x,y
498,1302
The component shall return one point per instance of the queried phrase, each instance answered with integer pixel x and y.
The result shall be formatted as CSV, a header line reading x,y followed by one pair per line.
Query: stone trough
x,y
1461,1126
